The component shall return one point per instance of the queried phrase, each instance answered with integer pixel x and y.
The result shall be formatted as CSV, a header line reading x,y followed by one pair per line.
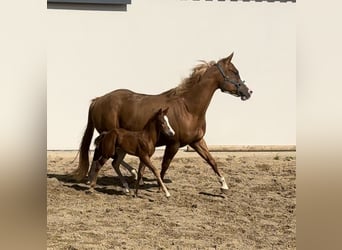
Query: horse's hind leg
x,y
140,175
94,169
119,155
201,148
130,169
93,173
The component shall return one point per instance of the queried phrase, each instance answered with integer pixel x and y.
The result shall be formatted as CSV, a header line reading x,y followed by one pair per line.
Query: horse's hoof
x,y
224,190
89,191
134,174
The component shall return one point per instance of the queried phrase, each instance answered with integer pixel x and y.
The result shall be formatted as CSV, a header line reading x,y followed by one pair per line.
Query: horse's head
x,y
230,81
163,122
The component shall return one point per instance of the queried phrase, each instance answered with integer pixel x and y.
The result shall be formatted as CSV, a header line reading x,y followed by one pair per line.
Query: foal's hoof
x,y
91,184
134,174
90,191
224,190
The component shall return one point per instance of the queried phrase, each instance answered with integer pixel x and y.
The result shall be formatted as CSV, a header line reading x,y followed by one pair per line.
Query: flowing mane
x,y
189,82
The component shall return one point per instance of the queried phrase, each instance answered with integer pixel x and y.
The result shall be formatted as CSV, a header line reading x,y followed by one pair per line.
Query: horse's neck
x,y
198,98
151,131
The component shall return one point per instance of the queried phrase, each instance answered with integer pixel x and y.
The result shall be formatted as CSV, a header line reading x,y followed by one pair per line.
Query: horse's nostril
x,y
250,91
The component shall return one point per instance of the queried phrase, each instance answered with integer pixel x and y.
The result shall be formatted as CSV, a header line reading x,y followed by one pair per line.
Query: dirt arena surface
x,y
258,211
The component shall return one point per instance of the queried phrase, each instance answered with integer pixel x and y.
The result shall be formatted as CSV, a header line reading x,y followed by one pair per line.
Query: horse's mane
x,y
189,82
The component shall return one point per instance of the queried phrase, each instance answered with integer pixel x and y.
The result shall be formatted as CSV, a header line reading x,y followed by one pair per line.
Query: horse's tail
x,y
75,156
83,164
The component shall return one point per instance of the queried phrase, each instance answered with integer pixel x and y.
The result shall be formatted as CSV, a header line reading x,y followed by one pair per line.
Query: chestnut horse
x,y
139,143
188,103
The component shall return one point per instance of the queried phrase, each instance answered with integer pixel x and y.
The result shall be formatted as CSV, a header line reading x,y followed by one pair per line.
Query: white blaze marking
x,y
168,124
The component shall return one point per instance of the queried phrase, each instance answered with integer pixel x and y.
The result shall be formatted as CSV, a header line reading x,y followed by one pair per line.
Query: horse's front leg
x,y
202,149
169,153
119,156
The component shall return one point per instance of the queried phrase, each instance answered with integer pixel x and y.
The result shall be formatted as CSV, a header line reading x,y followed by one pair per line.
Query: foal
x,y
139,143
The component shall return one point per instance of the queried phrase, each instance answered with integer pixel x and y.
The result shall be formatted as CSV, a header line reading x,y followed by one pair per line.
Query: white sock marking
x,y
223,182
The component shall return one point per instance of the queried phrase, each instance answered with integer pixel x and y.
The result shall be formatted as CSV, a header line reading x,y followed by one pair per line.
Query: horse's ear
x,y
160,111
229,58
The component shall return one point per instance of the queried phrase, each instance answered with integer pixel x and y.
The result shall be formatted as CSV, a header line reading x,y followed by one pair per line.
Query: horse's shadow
x,y
104,182
62,178
213,195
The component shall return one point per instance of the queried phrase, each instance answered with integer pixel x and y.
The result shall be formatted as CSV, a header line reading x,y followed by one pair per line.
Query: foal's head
x,y
231,81
163,122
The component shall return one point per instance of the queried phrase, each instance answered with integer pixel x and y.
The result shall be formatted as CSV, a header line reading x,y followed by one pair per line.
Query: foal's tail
x,y
98,139
83,164
105,143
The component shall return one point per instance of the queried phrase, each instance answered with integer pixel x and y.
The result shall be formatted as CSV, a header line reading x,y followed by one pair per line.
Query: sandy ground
x,y
258,211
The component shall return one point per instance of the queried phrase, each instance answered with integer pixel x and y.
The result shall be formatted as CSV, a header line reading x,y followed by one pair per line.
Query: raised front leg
x,y
170,152
202,149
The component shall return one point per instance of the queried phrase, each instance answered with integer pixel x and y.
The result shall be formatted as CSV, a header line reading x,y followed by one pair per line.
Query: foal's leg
x,y
170,152
94,171
94,168
119,155
140,175
147,161
201,148
130,169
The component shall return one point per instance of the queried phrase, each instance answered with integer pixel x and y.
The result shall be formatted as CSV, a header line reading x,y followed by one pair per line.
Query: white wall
x,y
93,52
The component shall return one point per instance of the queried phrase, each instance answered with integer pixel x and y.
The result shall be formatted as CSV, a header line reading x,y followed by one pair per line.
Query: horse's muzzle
x,y
170,133
246,96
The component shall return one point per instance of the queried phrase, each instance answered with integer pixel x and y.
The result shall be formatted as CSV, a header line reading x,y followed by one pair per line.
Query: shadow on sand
x,y
104,182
